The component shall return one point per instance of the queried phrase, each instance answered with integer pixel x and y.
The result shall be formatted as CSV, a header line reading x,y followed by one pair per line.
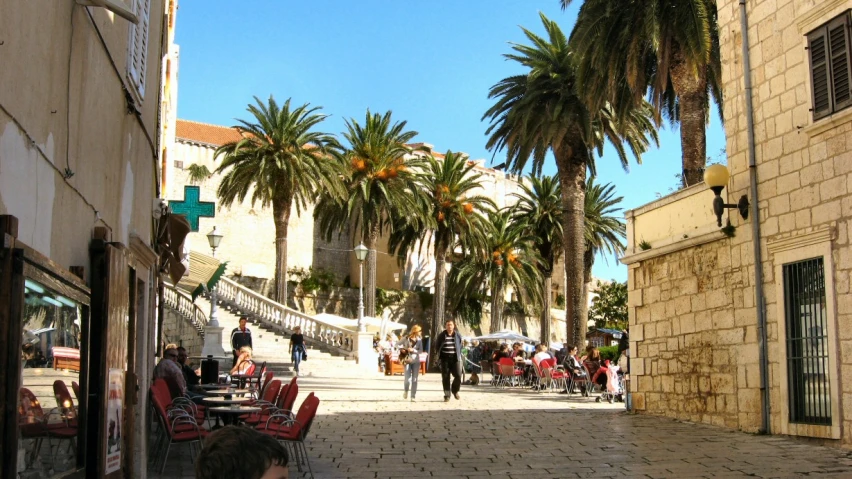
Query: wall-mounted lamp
x,y
716,177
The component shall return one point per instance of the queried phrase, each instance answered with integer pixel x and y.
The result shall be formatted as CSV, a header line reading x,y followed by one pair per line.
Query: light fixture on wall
x,y
716,177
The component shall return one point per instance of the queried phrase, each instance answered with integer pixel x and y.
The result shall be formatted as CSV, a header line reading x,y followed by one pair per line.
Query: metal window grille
x,y
807,344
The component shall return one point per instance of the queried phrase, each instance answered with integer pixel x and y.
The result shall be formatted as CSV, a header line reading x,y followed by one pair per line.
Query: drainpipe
x,y
759,302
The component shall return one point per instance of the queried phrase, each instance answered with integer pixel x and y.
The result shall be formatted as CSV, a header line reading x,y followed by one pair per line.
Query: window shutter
x,y
138,47
838,47
820,90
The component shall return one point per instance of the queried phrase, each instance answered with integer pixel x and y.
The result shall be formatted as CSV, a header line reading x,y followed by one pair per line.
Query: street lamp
x,y
716,177
214,238
361,254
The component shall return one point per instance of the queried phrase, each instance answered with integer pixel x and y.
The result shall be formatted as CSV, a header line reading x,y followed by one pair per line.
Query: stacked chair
x,y
179,423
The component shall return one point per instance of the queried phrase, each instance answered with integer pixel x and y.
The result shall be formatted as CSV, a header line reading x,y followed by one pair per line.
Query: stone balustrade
x,y
278,317
183,304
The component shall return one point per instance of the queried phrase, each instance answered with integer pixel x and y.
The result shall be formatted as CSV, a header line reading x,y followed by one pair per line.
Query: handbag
x,y
405,357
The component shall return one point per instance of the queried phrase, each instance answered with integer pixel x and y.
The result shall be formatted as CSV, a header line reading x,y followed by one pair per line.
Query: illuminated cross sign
x,y
192,208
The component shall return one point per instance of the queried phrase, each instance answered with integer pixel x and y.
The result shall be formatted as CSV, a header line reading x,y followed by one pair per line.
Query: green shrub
x,y
609,352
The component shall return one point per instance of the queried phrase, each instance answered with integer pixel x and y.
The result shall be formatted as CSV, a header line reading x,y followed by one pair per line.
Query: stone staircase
x,y
271,345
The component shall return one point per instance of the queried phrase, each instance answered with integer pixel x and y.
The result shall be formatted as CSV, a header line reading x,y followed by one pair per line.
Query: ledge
x,y
691,242
818,15
830,122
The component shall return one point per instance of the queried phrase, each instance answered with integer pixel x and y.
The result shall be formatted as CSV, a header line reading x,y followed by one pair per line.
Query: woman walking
x,y
297,348
413,344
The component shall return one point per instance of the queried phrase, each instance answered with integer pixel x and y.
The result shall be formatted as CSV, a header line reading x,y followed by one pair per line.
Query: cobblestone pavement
x,y
364,429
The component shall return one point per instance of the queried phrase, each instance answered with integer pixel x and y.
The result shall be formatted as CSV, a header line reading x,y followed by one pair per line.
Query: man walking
x,y
449,342
240,337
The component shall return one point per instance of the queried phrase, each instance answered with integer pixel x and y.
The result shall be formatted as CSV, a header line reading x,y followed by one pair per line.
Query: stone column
x,y
367,357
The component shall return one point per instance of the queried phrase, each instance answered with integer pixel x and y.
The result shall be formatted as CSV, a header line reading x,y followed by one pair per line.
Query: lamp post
x,y
214,238
361,254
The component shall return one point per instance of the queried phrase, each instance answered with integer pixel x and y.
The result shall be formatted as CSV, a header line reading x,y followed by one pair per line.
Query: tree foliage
x,y
609,307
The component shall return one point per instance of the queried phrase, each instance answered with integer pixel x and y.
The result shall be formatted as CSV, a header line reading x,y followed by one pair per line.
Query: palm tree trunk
x,y
571,167
370,283
588,262
691,91
281,213
497,301
439,301
545,308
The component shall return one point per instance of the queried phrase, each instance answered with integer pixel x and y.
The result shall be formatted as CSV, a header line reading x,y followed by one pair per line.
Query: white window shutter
x,y
137,54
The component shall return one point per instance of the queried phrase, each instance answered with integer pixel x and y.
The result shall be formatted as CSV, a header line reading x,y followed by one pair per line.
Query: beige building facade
x,y
79,175
695,325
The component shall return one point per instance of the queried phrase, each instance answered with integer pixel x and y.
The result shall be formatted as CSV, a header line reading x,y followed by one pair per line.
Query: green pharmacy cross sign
x,y
192,208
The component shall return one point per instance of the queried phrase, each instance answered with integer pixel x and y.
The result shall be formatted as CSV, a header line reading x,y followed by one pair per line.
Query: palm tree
x,y
282,162
540,111
197,173
603,231
452,217
511,260
668,48
539,207
378,173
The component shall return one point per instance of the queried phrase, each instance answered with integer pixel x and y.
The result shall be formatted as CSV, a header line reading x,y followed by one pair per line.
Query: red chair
x,y
269,400
292,431
554,377
76,388
509,373
31,422
177,427
267,377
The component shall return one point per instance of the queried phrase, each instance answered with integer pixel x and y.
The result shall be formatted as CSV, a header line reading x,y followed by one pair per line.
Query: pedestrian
x,y
240,336
450,344
414,345
297,348
235,451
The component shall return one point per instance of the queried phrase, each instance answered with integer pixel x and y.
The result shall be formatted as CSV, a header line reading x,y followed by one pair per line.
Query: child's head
x,y
235,451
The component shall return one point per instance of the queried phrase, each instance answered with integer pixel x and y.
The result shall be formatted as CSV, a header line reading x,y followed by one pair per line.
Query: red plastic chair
x,y
289,430
177,427
76,388
268,401
509,373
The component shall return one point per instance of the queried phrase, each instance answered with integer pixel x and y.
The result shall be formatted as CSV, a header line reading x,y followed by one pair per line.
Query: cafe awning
x,y
204,272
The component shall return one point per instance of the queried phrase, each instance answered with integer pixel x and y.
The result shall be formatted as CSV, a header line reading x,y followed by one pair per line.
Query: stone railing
x,y
280,318
183,304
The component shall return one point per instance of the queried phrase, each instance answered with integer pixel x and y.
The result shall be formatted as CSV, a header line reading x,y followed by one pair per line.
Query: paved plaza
x,y
364,429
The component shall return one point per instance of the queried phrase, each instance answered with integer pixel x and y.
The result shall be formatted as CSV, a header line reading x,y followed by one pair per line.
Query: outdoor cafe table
x,y
226,391
214,405
231,414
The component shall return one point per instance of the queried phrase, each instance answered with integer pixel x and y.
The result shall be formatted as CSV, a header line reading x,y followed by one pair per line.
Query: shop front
x,y
68,373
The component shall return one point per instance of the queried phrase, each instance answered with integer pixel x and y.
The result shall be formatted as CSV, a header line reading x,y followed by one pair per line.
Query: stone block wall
x,y
693,338
181,331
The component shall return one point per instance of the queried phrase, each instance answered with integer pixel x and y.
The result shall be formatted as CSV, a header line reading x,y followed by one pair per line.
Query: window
x,y
805,318
137,52
829,54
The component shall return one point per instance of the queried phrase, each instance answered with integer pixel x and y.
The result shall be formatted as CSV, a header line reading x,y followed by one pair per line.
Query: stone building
x,y
699,296
79,176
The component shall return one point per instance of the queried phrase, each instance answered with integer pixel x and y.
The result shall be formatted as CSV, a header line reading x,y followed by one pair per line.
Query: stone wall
x,y
692,308
694,338
181,331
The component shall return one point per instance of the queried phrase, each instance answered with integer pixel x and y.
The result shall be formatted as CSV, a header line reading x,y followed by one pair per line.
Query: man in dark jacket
x,y
240,337
449,346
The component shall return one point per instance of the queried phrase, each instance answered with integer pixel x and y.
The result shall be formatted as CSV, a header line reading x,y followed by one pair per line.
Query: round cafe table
x,y
216,403
231,414
225,392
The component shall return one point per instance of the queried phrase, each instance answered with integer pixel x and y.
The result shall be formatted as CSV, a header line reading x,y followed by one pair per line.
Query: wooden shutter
x,y
137,59
838,48
820,89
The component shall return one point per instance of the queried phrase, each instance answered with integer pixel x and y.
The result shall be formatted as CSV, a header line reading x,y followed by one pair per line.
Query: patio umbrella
x,y
506,335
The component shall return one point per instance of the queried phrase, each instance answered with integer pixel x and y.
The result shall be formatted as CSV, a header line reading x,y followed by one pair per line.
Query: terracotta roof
x,y
205,133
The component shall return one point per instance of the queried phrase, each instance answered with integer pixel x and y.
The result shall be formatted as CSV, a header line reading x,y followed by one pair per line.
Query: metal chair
x,y
292,431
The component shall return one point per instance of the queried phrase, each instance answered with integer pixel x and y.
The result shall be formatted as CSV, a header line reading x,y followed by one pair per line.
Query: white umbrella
x,y
506,335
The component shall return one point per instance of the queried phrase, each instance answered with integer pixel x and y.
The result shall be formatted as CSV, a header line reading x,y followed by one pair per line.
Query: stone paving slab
x,y
364,429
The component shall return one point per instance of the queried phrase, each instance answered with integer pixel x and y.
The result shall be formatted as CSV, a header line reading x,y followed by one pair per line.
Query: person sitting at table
x,y
518,353
595,366
541,353
236,451
192,376
244,362
503,352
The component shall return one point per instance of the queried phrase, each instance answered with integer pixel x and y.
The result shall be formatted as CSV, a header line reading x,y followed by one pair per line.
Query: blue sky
x,y
430,62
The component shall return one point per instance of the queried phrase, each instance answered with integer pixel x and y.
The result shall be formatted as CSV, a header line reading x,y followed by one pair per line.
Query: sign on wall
x,y
192,207
114,423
